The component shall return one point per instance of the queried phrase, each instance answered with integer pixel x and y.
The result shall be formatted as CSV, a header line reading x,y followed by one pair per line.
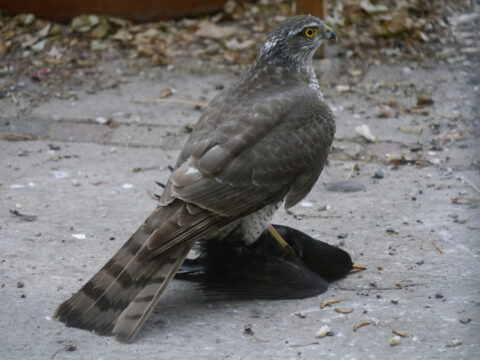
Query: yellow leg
x,y
287,249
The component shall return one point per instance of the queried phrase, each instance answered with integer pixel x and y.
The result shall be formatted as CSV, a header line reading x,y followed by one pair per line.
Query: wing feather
x,y
280,151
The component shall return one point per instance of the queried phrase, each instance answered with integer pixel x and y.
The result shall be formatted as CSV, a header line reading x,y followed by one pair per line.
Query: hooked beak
x,y
329,33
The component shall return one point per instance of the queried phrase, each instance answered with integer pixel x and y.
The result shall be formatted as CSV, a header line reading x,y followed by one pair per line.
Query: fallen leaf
x,y
122,35
398,159
371,9
167,92
28,19
424,101
80,23
342,88
390,102
396,23
234,44
210,30
100,30
39,46
354,72
408,131
417,111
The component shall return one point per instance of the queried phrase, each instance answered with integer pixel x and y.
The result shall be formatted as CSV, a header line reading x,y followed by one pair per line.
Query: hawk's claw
x,y
287,249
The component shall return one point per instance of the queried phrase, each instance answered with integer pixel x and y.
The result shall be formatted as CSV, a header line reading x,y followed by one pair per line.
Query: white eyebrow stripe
x,y
312,24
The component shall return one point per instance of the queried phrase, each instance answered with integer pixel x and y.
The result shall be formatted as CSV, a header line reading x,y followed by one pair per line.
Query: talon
x,y
287,249
358,267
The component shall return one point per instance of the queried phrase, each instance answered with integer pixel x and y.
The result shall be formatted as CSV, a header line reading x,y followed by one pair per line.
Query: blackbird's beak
x,y
358,267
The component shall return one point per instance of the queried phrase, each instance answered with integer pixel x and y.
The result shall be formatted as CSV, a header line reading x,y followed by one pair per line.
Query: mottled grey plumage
x,y
262,141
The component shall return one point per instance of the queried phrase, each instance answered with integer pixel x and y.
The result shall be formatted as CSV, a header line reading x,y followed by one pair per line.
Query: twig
x,y
248,330
357,167
301,345
68,347
23,216
434,243
473,186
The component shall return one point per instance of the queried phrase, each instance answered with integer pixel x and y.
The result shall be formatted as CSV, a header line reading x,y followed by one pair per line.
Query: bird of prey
x,y
261,142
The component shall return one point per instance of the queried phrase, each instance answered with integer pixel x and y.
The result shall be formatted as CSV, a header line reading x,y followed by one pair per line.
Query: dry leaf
x,y
449,136
417,111
408,131
209,30
80,23
371,9
342,88
166,93
122,35
424,101
390,102
101,30
233,44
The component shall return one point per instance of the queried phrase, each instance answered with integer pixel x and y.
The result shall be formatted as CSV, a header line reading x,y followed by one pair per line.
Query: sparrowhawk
x,y
261,142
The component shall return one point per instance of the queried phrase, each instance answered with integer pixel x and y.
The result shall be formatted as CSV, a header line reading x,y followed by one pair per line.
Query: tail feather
x,y
119,298
132,318
102,299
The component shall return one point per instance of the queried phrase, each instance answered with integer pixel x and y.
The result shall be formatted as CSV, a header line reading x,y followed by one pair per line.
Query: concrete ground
x,y
88,184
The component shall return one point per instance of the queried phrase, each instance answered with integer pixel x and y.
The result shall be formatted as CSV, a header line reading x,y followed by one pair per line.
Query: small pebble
x,y
342,236
301,314
455,342
438,296
323,331
378,174
20,284
395,340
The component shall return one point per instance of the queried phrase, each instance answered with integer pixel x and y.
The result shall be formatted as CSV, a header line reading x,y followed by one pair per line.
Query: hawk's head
x,y
295,40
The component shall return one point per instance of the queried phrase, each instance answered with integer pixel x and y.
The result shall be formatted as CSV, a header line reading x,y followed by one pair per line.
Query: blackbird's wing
x,y
231,269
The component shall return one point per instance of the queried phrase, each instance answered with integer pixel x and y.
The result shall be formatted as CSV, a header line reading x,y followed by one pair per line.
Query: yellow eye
x,y
309,32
